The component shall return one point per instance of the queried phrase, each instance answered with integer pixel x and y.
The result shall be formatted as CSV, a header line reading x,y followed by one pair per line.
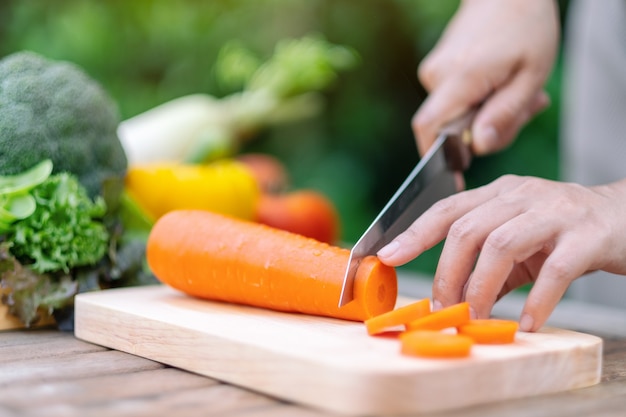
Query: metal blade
x,y
432,179
428,182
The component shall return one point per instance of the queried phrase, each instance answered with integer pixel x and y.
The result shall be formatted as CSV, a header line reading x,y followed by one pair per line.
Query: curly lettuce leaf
x,y
64,231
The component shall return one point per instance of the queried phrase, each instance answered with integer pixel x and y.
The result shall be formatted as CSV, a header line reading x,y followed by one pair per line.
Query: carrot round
x,y
452,316
398,317
212,256
490,331
435,344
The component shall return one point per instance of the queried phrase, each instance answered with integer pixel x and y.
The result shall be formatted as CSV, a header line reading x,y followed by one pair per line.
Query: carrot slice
x,y
435,344
399,316
452,316
216,257
490,331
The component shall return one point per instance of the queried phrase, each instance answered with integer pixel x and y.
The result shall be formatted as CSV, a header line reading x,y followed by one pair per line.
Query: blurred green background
x,y
357,151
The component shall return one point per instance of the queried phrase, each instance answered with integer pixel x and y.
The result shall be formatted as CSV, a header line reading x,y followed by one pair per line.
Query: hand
x,y
515,231
494,52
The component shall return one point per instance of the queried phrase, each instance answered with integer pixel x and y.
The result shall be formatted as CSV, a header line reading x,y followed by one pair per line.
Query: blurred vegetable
x,y
305,212
176,130
269,171
199,127
225,186
52,109
32,296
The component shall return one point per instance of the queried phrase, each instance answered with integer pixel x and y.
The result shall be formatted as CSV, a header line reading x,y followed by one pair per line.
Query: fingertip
x,y
386,254
526,323
541,102
485,139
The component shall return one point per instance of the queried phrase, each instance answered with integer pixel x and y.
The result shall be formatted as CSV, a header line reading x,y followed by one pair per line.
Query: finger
x,y
466,238
451,99
514,242
432,226
430,71
505,112
568,261
523,273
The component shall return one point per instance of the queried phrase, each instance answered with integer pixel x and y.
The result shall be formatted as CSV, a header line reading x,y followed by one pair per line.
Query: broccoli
x,y
54,110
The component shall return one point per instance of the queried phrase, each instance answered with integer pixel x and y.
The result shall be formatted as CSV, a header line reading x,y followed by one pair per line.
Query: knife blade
x,y
433,178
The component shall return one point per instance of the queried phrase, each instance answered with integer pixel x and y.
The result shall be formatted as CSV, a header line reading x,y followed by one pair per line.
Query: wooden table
x,y
47,372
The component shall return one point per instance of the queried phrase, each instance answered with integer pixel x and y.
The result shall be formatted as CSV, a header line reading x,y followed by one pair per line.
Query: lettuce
x,y
64,231
45,256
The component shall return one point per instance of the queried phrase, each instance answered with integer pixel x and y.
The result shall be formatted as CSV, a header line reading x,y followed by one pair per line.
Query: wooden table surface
x,y
48,372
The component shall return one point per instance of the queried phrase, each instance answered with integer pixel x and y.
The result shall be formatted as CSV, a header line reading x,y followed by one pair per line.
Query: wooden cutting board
x,y
326,363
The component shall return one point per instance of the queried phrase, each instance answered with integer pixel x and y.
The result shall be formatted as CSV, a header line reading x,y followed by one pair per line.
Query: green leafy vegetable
x,y
64,231
25,181
32,296
301,65
15,201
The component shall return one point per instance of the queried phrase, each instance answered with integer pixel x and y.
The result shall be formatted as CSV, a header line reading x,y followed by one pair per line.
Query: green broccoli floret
x,y
54,110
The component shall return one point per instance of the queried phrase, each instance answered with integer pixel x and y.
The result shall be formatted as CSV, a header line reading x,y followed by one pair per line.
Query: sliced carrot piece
x,y
212,256
452,316
435,344
490,331
398,317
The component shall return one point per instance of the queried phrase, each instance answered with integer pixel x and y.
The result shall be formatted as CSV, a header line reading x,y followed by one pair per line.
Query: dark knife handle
x,y
457,147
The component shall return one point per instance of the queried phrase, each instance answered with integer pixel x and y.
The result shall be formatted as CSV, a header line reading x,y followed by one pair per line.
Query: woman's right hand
x,y
494,52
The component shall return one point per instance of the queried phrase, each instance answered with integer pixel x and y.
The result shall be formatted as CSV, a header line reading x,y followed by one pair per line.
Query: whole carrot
x,y
216,257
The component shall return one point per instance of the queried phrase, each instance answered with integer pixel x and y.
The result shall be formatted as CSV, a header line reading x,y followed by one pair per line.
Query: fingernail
x,y
388,250
472,313
485,139
437,305
526,323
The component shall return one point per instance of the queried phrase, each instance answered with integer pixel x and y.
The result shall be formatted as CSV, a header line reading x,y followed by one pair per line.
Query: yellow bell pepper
x,y
224,186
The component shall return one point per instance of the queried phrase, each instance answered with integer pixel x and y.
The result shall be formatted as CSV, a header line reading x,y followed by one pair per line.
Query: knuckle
x,y
499,242
462,230
421,122
443,207
559,270
480,298
445,291
428,72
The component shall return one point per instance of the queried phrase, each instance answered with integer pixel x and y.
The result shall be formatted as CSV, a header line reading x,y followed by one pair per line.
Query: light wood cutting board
x,y
326,363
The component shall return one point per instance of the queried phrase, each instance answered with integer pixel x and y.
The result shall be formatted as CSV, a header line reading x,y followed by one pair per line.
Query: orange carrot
x,y
435,344
490,331
452,316
398,317
212,256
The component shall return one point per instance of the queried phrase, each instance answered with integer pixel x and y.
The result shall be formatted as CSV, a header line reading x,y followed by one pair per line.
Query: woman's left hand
x,y
514,231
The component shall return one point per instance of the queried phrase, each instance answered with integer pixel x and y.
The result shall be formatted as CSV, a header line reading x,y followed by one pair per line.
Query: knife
x,y
433,178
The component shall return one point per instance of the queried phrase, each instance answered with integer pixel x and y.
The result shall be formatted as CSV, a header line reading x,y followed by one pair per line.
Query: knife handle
x,y
457,146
